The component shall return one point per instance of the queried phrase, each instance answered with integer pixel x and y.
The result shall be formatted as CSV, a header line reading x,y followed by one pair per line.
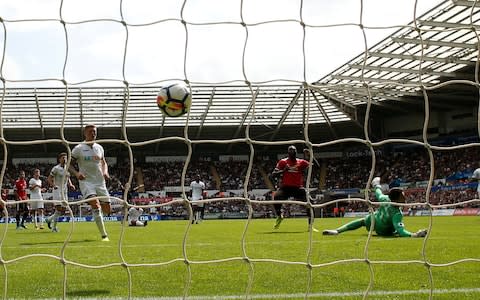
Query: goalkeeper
x,y
388,218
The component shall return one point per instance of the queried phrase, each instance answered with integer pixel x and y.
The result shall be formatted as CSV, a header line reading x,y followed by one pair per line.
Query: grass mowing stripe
x,y
451,239
322,295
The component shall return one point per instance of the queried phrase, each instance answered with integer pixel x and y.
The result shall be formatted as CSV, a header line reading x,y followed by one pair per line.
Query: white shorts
x,y
90,189
60,195
36,204
195,203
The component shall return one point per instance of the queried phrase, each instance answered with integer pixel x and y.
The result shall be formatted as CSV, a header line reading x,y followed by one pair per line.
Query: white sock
x,y
98,217
41,219
54,218
197,216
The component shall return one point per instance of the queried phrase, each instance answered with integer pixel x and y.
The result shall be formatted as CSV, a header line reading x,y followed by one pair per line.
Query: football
x,y
174,100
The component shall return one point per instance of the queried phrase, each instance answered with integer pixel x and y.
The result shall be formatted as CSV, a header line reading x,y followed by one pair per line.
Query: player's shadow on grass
x,y
58,242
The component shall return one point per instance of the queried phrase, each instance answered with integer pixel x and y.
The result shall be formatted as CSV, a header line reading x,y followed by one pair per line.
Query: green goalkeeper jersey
x,y
388,218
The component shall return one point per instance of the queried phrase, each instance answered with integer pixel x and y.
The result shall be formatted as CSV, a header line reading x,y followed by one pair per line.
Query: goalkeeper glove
x,y
420,233
376,182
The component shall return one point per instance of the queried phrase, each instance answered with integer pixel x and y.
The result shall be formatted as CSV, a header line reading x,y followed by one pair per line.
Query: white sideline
x,y
302,295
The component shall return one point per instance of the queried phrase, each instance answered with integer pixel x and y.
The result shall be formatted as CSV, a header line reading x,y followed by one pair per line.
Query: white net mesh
x,y
245,72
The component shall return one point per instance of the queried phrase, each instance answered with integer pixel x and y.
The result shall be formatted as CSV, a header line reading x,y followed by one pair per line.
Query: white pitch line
x,y
302,295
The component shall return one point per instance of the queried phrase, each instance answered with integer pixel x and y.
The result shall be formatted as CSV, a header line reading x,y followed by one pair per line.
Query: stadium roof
x,y
441,46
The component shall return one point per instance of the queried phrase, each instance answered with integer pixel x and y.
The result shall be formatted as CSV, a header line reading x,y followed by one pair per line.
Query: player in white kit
x,y
197,187
59,179
134,214
35,186
476,176
92,175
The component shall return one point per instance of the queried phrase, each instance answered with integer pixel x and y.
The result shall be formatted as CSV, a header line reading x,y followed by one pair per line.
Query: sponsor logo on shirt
x,y
93,157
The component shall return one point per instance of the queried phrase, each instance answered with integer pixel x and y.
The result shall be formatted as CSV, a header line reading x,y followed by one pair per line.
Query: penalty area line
x,y
319,295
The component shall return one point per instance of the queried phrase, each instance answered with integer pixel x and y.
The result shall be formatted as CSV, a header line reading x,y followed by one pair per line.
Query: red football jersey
x,y
21,188
292,171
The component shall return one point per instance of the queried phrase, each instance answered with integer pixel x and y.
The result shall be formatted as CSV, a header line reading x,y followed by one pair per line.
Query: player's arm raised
x,y
377,187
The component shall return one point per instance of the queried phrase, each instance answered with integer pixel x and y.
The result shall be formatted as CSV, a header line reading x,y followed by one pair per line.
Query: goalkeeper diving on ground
x,y
388,218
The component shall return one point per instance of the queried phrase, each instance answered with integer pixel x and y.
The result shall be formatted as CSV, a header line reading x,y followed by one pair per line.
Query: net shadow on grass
x,y
57,242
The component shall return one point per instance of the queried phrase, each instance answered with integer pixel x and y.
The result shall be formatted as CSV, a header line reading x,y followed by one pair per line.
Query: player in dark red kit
x,y
291,169
21,195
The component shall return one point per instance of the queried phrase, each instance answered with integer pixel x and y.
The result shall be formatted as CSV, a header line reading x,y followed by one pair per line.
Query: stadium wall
x,y
440,123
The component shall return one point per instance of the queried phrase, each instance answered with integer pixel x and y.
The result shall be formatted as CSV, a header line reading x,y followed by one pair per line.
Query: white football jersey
x,y
58,173
89,161
134,214
197,190
476,174
35,193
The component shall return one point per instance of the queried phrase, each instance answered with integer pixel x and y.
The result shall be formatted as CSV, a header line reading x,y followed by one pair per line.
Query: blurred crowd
x,y
397,168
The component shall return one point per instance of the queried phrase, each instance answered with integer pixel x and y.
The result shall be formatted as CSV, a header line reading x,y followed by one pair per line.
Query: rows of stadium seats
x,y
341,173
400,167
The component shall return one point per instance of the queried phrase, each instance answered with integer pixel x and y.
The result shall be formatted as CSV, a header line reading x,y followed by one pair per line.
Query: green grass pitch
x,y
275,269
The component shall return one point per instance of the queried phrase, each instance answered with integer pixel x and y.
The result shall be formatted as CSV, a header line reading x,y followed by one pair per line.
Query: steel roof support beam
x,y
466,3
42,129
245,116
160,133
405,97
286,113
327,95
448,25
325,115
80,100
424,71
427,42
126,95
343,106
204,116
371,79
446,60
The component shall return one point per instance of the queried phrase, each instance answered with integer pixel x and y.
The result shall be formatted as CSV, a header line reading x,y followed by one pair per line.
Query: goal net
x,y
367,88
